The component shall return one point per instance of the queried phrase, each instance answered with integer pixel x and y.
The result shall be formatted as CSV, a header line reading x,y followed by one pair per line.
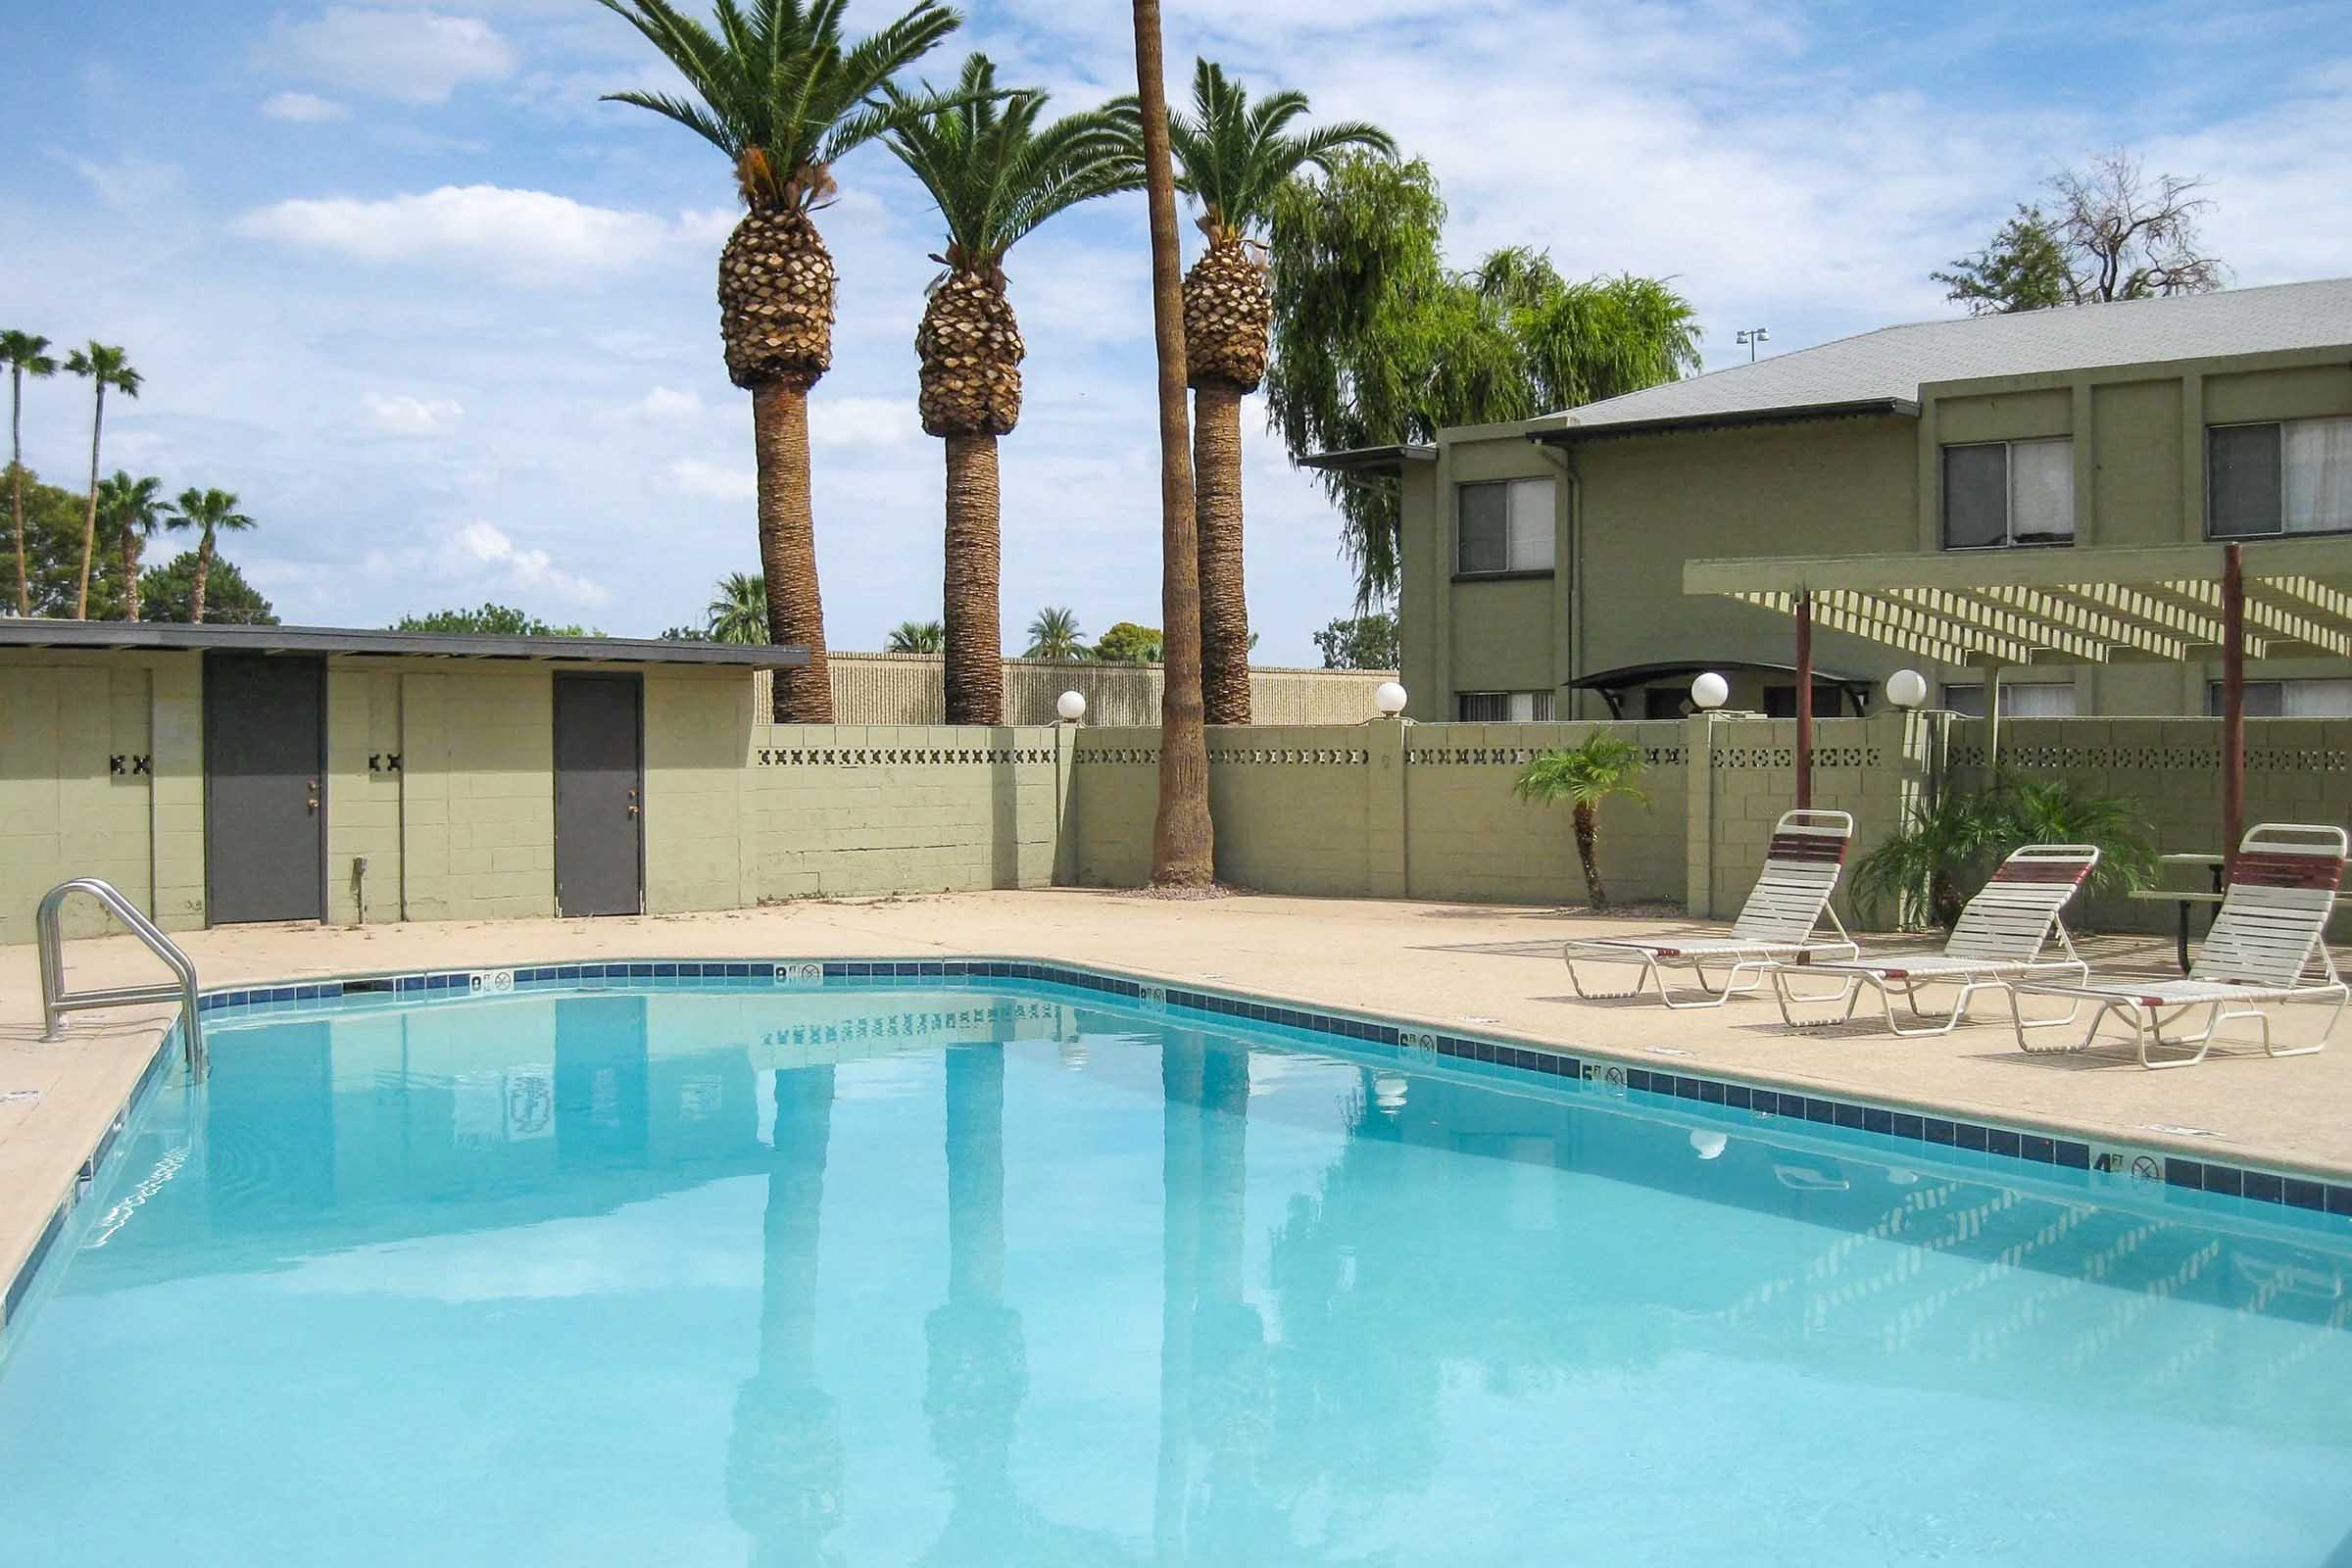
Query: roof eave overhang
x,y
1369,460
342,642
1736,420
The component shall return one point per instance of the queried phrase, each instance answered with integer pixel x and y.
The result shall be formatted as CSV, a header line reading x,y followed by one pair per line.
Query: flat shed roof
x,y
172,637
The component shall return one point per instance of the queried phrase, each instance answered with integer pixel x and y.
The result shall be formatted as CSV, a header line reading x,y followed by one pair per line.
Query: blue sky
x,y
446,323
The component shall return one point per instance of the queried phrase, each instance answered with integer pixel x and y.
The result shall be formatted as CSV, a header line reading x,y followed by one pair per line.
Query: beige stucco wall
x,y
908,689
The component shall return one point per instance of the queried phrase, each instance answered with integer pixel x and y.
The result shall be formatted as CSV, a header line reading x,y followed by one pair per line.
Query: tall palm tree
x,y
1182,838
785,98
211,512
1236,156
1055,635
106,365
918,637
24,355
131,511
995,176
738,609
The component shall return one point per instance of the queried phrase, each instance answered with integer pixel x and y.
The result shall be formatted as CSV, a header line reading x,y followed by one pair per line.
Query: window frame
x,y
1945,696
2278,688
1536,700
2009,539
2280,532
1462,491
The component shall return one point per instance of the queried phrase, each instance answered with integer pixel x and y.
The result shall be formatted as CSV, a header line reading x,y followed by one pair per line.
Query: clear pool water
x,y
1030,1276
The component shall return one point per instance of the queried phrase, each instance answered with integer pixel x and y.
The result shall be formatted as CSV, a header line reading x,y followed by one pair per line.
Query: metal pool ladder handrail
x,y
57,1000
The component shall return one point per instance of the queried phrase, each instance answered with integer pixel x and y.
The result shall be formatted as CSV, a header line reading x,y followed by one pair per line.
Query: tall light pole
x,y
1751,336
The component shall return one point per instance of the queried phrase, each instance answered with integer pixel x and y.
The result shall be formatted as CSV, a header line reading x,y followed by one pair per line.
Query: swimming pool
x,y
927,1268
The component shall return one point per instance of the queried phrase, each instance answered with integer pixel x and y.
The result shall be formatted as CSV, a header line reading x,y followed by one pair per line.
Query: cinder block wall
x,y
910,689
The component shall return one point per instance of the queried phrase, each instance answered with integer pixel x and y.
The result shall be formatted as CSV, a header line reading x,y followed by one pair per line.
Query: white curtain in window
x,y
2038,700
2319,475
2315,699
2042,490
1531,526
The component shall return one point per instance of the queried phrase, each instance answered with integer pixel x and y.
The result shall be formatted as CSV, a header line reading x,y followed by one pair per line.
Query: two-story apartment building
x,y
1543,561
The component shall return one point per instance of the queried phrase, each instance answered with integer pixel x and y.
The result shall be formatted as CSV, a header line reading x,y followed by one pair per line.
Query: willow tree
x,y
785,96
996,175
1376,341
1182,838
1237,156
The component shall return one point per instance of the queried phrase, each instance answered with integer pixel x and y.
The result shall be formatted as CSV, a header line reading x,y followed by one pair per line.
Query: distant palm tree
x,y
738,609
211,512
24,355
131,511
1236,156
106,364
1055,635
1184,843
916,637
995,175
785,97
1584,777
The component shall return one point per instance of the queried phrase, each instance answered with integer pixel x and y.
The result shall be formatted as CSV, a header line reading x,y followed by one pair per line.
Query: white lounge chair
x,y
2264,947
1783,914
2006,934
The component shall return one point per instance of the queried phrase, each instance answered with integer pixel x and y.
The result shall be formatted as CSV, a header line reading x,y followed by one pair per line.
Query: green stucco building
x,y
1543,561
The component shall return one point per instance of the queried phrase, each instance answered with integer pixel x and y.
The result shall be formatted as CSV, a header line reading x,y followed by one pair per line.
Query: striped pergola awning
x,y
2068,606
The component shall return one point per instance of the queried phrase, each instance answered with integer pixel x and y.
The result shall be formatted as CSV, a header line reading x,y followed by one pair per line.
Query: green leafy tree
x,y
2111,234
738,609
489,620
52,525
168,593
779,90
1584,777
129,512
1236,156
106,367
1378,342
1053,634
1951,846
995,173
24,355
211,513
1361,642
1130,644
916,637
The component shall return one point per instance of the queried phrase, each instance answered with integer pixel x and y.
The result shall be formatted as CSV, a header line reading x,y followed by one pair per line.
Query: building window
x,y
2019,699
2290,476
1666,702
1503,707
1504,526
1829,700
2009,493
2289,699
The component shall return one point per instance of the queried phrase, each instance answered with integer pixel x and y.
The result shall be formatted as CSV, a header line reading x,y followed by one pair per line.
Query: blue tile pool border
x,y
1406,1043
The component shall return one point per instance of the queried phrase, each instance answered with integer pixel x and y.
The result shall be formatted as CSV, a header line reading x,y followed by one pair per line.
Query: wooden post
x,y
1804,701
2233,705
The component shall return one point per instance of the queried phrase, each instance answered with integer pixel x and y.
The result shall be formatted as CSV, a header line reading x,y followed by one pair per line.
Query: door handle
x,y
632,808
312,802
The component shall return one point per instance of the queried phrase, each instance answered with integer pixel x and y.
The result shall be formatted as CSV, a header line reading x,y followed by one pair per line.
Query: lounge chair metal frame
x,y
1783,911
2001,936
2268,938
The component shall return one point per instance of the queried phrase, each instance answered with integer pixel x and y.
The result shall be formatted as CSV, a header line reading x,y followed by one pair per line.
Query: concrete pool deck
x,y
1470,967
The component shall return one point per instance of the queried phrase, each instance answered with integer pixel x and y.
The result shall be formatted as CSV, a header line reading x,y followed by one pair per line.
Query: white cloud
x,y
712,481
402,414
667,405
484,546
415,57
303,107
856,421
525,234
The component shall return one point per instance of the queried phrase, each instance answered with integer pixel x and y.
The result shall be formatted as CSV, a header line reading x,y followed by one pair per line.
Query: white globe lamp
x,y
1389,697
1907,688
1071,705
1710,692
1387,1094
1708,1145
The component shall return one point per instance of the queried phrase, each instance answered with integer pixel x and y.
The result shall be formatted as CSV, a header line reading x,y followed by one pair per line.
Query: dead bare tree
x,y
2111,234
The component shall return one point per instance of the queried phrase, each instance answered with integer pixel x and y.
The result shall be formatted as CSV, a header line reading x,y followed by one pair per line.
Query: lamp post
x,y
1709,692
1389,697
1751,336
1071,705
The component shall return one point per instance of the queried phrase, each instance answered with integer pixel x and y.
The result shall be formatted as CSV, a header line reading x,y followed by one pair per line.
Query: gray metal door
x,y
599,788
264,794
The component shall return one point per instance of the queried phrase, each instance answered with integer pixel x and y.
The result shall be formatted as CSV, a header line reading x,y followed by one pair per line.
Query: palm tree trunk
x,y
15,483
795,610
204,569
89,519
130,573
1183,838
1588,835
975,650
1224,608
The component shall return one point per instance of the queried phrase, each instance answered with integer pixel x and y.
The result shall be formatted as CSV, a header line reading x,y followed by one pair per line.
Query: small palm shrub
x,y
1584,776
1949,848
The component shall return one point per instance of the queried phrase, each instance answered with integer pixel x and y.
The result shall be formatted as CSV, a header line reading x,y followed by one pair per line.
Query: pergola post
x,y
2234,703
1992,717
1804,701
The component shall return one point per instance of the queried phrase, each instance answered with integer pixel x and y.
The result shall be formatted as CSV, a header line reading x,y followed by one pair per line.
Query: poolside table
x,y
2182,897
